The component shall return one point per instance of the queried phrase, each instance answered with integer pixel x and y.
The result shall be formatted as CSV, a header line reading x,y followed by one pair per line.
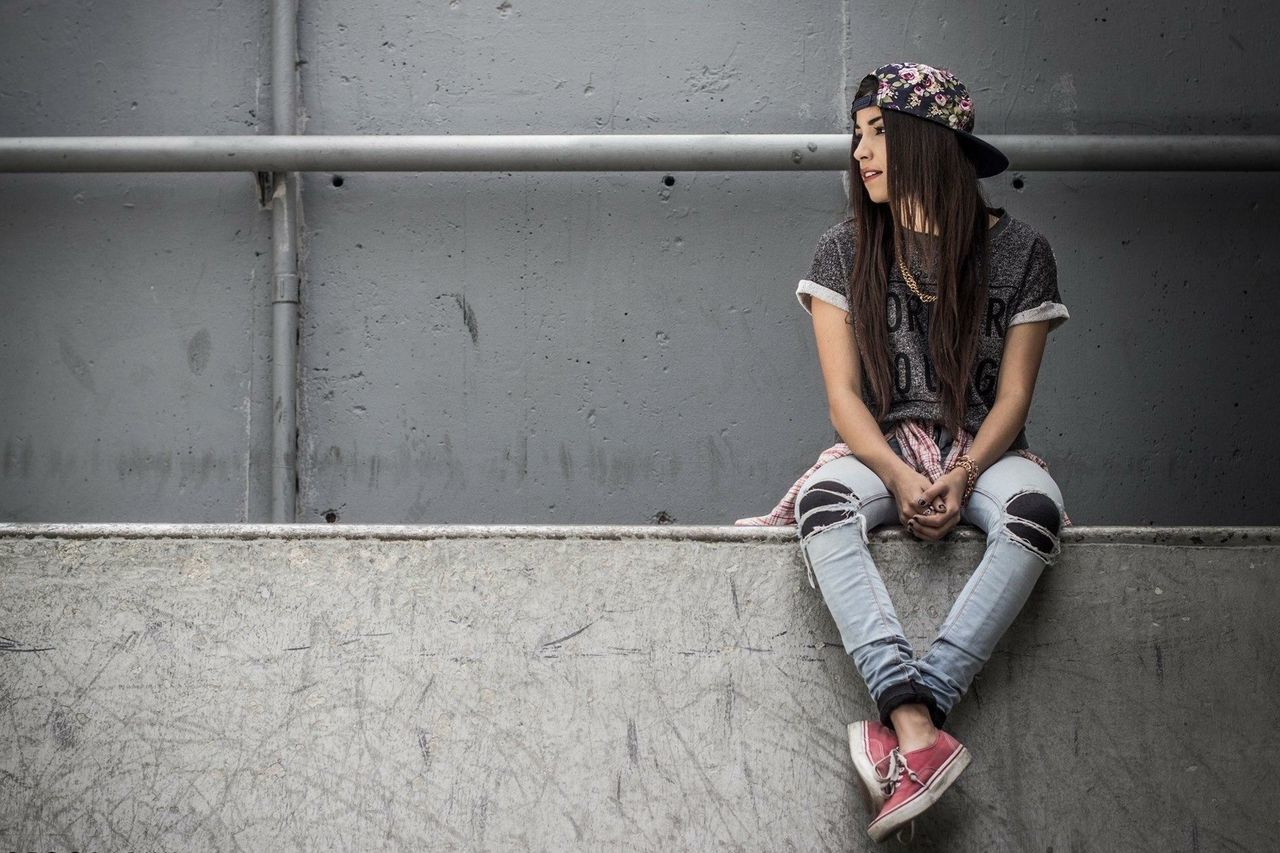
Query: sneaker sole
x,y
872,797
880,829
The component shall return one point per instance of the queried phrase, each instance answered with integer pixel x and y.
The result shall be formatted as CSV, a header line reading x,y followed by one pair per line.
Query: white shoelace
x,y
899,766
889,779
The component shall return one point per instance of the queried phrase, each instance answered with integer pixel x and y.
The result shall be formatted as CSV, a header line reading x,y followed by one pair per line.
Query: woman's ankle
x,y
913,726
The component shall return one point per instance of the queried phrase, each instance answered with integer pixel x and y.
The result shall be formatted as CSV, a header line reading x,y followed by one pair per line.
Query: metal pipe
x,y
284,349
284,66
1141,153
284,278
601,153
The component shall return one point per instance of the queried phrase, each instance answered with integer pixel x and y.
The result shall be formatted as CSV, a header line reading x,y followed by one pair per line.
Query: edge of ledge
x,y
1248,536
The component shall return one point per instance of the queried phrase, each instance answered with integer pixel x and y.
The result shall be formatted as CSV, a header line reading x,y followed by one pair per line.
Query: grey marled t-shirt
x,y
1023,288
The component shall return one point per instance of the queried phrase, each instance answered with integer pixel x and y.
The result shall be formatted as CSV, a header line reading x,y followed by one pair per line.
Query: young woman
x,y
930,311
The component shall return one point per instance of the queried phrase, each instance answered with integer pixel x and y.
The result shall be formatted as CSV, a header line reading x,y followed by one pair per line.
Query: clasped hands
x,y
929,510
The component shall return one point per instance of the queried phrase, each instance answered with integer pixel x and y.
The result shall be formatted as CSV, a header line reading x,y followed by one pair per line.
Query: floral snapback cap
x,y
937,95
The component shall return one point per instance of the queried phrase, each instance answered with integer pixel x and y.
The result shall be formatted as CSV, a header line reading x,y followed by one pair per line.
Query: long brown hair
x,y
926,170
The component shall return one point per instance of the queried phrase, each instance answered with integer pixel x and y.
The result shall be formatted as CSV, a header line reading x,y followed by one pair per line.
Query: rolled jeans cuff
x,y
908,693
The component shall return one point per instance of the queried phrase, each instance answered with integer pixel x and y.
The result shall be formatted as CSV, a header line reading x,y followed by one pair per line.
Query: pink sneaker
x,y
873,748
920,777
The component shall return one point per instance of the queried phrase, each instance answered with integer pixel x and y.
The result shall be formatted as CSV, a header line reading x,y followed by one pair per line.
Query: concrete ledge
x,y
210,687
1189,536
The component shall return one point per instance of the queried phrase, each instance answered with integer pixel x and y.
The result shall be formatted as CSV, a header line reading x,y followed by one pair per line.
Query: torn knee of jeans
x,y
1034,522
826,504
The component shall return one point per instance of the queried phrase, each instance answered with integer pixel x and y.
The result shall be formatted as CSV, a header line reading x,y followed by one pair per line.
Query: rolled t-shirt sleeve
x,y
1039,298
828,275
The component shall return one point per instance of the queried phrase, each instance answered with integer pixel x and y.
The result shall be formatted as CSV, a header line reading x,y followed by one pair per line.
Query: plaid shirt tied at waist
x,y
919,450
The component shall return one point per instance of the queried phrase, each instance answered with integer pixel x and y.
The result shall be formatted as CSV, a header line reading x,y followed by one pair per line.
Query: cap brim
x,y
987,159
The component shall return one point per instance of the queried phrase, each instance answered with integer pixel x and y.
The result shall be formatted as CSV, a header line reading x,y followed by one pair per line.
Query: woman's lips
x,y
865,179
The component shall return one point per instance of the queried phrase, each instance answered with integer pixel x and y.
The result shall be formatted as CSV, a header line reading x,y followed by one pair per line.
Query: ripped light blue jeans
x,y
1015,502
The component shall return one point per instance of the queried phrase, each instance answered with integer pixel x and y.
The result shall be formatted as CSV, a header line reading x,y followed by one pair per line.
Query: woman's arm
x,y
842,376
1019,367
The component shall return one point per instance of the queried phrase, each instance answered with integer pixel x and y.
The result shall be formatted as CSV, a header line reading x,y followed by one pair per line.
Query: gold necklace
x,y
911,283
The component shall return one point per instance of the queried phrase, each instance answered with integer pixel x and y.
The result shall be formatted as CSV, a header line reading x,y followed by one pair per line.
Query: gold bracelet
x,y
971,475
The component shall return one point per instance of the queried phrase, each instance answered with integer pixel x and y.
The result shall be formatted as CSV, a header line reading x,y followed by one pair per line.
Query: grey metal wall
x,y
598,347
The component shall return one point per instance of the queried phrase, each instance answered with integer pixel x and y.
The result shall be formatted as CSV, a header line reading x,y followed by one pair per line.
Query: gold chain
x,y
911,283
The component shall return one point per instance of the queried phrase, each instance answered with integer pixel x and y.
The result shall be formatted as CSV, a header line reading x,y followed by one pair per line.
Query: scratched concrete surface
x,y
213,691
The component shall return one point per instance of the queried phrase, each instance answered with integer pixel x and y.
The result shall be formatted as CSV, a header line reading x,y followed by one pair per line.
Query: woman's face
x,y
870,153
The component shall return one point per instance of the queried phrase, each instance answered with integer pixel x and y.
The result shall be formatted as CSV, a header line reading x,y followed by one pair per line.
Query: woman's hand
x,y
938,506
909,488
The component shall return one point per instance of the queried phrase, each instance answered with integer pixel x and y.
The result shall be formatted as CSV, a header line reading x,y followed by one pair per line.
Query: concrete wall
x,y
584,689
586,348
135,314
